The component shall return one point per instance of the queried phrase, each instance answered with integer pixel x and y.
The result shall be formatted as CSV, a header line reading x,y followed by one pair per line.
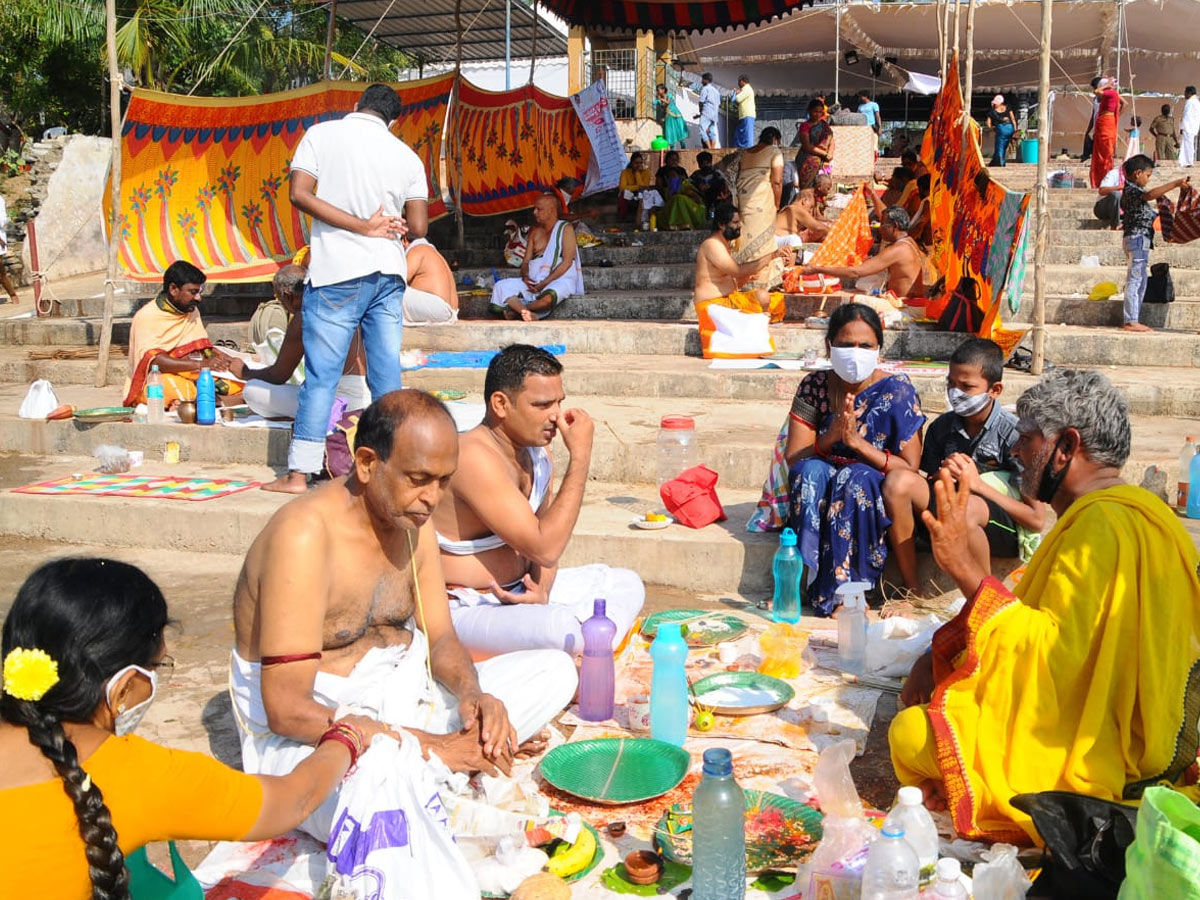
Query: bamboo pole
x,y
456,126
938,14
114,116
957,30
327,68
533,48
969,80
1043,196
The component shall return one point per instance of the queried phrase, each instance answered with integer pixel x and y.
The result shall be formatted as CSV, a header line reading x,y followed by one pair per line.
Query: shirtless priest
x,y
502,529
341,604
550,273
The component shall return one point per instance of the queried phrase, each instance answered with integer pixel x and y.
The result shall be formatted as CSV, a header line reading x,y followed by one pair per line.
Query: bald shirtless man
x,y
899,257
797,223
431,297
502,529
550,273
341,604
718,275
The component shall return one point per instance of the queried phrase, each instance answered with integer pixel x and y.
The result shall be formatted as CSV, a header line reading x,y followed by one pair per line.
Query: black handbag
x,y
1085,839
963,313
1159,286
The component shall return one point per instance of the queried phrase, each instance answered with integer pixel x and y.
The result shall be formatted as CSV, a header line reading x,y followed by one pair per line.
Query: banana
x,y
572,858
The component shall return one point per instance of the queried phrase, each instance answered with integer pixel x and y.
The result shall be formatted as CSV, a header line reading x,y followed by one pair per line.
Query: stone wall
x,y
70,235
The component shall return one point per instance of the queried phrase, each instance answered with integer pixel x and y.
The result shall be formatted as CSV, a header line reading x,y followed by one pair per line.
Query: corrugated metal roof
x,y
426,28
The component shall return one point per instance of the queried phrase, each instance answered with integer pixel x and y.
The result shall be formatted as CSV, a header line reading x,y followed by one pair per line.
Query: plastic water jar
x,y
677,450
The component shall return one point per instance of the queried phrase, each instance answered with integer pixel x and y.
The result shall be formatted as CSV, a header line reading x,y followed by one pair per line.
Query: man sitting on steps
x,y
341,604
898,257
550,273
797,222
502,530
431,297
718,275
273,392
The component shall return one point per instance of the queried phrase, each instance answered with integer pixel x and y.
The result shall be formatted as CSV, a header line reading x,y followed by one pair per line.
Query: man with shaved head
x,y
341,604
550,273
274,392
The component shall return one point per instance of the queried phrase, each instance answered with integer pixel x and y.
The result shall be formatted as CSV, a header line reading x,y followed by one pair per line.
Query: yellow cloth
x,y
745,102
634,180
153,793
1086,680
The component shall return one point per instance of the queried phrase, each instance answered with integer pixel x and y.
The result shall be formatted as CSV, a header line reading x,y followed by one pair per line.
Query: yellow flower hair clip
x,y
28,674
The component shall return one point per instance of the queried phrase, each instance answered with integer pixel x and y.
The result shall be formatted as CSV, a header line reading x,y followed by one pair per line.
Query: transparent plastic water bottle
x,y
852,626
718,832
948,885
154,396
1185,467
676,447
1193,503
669,712
597,678
206,398
788,570
891,872
910,815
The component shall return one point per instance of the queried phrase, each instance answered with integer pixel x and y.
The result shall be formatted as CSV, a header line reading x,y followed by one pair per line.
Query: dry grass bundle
x,y
74,352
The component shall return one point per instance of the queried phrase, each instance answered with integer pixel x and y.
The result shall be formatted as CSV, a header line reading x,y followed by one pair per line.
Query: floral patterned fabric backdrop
x,y
206,178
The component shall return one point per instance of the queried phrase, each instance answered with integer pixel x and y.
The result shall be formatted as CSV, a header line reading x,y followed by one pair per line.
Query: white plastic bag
x,y
391,837
39,401
1001,877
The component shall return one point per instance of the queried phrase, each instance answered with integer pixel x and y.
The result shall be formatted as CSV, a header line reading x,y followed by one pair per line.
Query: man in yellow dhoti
x,y
168,333
1083,679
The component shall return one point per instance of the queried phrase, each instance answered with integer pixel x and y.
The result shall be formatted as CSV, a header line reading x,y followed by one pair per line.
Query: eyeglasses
x,y
167,663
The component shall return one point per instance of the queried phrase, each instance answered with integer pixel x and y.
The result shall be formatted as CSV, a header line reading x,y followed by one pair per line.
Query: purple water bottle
x,y
597,677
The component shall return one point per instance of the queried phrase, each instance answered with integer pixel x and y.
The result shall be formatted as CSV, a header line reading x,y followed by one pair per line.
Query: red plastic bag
x,y
692,497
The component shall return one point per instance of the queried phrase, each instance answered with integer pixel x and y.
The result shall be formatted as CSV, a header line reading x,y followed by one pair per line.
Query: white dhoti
x,y
788,240
391,685
486,626
280,401
426,308
568,285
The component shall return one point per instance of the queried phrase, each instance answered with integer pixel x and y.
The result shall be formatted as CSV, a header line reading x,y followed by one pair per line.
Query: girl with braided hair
x,y
82,648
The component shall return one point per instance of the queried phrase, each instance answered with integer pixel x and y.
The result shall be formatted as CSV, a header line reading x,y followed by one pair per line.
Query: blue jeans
x,y
709,133
1004,133
1137,253
332,314
745,133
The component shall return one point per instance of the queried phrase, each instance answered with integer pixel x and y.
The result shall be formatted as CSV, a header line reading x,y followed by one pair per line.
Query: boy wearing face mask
x,y
973,441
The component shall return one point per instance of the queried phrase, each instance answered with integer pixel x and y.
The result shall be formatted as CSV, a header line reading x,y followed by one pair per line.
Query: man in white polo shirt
x,y
364,188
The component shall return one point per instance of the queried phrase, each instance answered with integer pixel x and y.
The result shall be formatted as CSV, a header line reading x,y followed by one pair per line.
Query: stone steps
x,y
1183,314
1109,250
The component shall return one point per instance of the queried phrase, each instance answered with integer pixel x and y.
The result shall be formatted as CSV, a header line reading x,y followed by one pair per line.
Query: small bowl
x,y
186,411
226,413
643,867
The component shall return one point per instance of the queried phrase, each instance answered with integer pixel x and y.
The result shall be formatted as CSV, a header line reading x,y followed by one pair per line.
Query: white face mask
x,y
966,404
853,364
126,721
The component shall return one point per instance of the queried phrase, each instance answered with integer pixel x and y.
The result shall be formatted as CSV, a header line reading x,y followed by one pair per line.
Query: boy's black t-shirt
x,y
991,448
1137,215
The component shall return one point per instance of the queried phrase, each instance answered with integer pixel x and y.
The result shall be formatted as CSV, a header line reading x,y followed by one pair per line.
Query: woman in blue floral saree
x,y
848,427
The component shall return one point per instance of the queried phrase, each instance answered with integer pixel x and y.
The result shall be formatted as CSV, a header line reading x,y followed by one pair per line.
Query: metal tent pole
x,y
508,45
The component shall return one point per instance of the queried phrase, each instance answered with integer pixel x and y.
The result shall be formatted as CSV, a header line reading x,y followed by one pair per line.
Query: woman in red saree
x,y
1104,137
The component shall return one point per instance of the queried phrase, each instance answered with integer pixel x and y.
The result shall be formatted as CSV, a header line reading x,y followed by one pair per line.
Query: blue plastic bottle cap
x,y
720,762
787,538
891,831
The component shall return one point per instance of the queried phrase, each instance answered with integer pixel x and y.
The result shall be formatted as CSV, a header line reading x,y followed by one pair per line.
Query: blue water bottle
x,y
669,712
206,399
718,832
788,569
1193,504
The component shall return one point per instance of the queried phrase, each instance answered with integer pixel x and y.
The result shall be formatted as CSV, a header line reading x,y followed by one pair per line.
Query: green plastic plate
x,y
104,414
743,693
704,627
613,771
780,832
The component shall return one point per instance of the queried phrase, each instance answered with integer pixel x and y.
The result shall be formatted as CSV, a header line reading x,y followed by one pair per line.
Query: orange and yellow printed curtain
x,y
978,224
205,178
515,145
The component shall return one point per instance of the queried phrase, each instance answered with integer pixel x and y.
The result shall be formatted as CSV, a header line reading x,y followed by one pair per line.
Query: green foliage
x,y
52,58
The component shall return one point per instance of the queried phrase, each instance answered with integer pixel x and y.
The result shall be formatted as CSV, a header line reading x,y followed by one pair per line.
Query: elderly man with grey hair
x,y
273,392
1082,678
899,262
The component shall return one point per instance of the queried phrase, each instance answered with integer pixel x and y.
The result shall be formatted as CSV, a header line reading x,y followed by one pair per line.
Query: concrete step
x,y
718,558
1151,390
1181,257
1182,315
1066,279
661,276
